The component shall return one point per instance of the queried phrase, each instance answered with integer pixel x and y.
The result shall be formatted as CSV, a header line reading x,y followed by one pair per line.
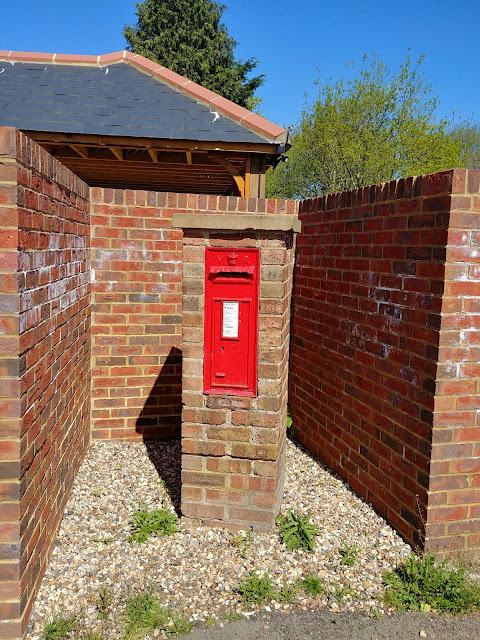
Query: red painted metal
x,y
231,321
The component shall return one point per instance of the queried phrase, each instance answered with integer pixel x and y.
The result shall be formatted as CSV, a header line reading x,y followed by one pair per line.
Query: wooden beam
x,y
161,143
153,154
247,177
232,170
80,149
189,157
117,152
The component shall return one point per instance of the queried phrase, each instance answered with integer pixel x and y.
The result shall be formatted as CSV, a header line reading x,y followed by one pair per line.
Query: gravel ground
x,y
196,570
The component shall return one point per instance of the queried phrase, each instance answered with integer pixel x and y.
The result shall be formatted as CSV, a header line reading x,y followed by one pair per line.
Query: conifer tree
x,y
187,37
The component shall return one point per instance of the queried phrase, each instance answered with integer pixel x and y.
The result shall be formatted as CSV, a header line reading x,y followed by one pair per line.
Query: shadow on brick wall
x,y
160,418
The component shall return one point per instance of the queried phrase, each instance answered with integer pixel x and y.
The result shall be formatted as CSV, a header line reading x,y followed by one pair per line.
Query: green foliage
x,y
243,542
467,134
291,430
419,584
342,592
255,590
233,616
296,532
286,594
104,602
158,522
371,129
59,627
187,37
348,554
103,540
144,614
312,584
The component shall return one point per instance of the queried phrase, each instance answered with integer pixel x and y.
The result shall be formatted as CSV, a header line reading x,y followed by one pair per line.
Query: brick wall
x,y
137,306
44,361
368,295
453,520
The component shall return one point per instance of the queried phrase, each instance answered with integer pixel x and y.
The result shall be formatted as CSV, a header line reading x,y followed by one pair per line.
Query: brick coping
x,y
237,222
213,100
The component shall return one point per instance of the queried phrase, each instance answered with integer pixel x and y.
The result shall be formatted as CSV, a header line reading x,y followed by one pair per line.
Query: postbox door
x,y
231,321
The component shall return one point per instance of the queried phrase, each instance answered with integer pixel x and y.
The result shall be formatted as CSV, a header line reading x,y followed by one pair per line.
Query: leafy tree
x,y
376,127
467,134
187,37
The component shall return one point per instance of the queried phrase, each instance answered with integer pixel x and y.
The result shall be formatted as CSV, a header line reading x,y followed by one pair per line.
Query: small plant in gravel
x,y
243,542
233,616
104,602
103,540
144,614
59,627
348,553
312,584
158,522
296,532
286,594
340,593
421,584
96,492
255,590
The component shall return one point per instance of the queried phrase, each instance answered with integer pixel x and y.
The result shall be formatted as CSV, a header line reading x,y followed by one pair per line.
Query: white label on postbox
x,y
230,320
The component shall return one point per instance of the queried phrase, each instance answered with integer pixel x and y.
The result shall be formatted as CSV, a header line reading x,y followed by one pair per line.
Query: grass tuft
x,y
312,584
158,522
421,584
144,614
59,627
255,590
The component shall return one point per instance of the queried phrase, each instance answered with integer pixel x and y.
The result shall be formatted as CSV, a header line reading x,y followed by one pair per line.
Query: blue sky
x,y
293,39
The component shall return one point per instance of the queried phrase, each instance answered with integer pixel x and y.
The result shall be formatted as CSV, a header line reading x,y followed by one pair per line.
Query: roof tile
x,y
229,108
262,126
30,56
170,77
66,58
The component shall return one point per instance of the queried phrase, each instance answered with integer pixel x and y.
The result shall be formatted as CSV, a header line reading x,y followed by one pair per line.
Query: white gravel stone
x,y
197,569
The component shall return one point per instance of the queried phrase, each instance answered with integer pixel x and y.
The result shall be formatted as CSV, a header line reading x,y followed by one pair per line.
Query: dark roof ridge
x,y
213,100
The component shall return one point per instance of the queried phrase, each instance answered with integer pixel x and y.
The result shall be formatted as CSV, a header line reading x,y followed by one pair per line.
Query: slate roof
x,y
119,95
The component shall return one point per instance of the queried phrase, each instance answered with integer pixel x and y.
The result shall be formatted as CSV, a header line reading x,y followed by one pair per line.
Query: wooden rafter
x,y
80,149
117,152
153,154
232,170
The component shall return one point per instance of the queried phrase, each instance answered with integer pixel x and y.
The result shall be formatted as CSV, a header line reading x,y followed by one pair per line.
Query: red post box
x,y
231,321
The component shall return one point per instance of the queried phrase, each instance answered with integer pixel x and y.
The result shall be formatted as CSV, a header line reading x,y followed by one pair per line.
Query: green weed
x,y
233,616
146,523
103,540
296,532
96,492
59,627
255,590
291,430
144,614
420,584
210,621
243,542
104,602
312,584
286,594
348,554
342,592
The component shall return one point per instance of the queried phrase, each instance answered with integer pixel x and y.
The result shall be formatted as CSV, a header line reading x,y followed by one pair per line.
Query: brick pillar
x,y
233,447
